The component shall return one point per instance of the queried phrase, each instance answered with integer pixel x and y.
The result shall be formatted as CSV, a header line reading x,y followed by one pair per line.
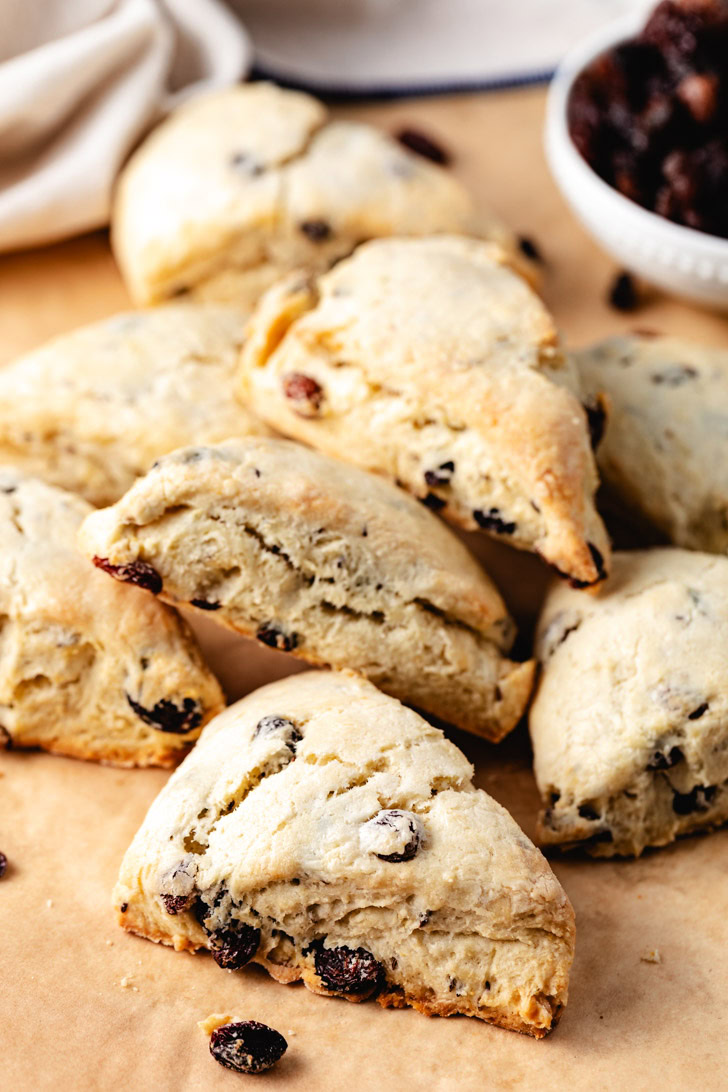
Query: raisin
x,y
177,904
399,832
3,865
140,573
433,502
596,419
530,248
675,376
623,293
442,475
285,729
235,946
699,712
124,907
661,760
588,812
305,391
421,144
244,162
247,1046
205,604
347,970
318,231
492,520
165,716
272,635
698,799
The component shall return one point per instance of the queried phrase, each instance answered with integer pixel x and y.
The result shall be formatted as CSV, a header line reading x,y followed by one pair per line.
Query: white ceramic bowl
x,y
682,261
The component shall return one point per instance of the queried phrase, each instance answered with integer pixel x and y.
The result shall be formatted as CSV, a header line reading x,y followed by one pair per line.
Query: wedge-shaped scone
x,y
431,361
328,833
88,668
316,557
240,186
630,721
93,409
663,454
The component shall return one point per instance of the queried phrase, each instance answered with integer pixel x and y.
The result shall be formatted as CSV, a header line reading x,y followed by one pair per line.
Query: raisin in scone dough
x,y
431,361
327,832
88,668
92,409
316,557
629,720
663,454
242,185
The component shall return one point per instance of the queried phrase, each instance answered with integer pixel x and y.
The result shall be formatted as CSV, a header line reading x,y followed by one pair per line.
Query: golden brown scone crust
x,y
319,558
431,361
88,668
330,834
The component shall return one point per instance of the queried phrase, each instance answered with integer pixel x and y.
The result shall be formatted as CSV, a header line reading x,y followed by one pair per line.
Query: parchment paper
x,y
83,1006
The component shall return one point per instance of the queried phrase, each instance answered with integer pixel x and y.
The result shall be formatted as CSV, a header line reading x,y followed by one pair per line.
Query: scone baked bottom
x,y
318,558
326,832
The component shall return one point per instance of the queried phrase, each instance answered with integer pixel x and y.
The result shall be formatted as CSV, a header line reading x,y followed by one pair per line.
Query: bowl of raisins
x,y
637,139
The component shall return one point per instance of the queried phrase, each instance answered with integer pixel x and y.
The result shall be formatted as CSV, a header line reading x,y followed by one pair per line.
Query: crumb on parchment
x,y
213,1021
651,955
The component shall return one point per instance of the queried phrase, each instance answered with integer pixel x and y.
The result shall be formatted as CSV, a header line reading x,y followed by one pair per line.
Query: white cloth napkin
x,y
81,81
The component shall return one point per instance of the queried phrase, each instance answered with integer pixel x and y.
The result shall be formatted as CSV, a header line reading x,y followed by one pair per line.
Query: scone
x,y
663,451
431,361
630,720
88,668
242,185
316,557
330,834
92,409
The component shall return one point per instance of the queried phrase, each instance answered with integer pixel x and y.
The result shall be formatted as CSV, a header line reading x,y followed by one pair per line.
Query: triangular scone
x,y
92,409
630,721
663,453
88,668
431,361
316,557
328,833
240,186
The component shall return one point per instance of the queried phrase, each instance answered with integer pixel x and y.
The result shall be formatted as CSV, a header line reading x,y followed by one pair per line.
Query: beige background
x,y
67,1021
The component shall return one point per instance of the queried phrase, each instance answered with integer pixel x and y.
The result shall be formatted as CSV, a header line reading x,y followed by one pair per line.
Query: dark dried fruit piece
x,y
3,865
623,293
281,727
699,712
492,520
140,573
406,828
177,904
232,948
442,475
247,1046
165,716
433,502
421,144
698,799
205,604
674,376
318,231
529,247
662,760
586,811
305,391
596,417
347,970
272,635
